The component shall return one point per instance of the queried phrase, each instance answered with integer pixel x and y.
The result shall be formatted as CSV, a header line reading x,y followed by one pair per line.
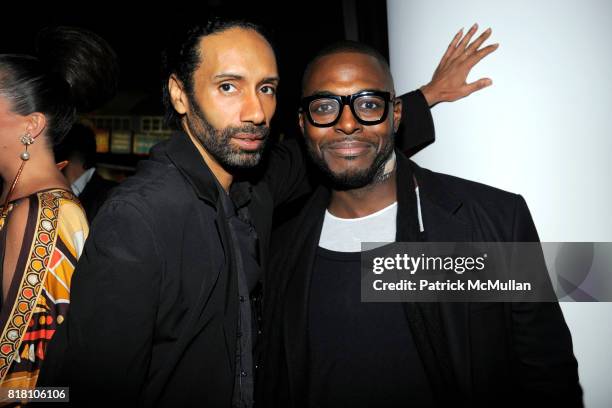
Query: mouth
x,y
351,148
249,141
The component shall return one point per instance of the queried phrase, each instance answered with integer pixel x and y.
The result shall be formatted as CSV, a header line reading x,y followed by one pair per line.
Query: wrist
x,y
431,96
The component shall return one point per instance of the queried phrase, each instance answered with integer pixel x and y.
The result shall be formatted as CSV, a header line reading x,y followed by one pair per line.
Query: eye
x,y
369,105
227,88
268,90
325,108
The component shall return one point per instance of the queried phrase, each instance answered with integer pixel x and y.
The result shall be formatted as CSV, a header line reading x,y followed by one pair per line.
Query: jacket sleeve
x,y
285,172
416,130
546,367
110,325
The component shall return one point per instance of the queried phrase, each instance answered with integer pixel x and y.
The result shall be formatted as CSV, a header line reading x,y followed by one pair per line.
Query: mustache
x,y
260,131
348,139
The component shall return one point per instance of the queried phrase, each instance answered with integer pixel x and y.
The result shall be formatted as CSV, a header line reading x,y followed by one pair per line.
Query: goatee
x,y
217,142
353,179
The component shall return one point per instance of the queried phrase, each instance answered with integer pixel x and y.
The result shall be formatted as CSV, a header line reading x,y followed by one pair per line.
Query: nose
x,y
347,123
252,109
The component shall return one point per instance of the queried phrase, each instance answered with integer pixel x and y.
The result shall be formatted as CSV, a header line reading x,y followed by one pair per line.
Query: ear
x,y
301,121
35,124
178,96
61,165
397,113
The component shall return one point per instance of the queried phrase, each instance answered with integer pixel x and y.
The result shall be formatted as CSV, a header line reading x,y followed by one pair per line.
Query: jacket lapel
x,y
440,330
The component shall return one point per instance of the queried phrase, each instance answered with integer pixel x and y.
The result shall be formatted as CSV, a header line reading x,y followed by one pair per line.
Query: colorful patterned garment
x,y
39,295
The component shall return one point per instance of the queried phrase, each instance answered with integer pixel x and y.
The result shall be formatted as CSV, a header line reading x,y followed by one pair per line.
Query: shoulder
x,y
71,223
467,190
484,206
157,188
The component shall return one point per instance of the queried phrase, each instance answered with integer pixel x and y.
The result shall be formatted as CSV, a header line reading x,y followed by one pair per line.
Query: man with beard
x,y
327,348
163,295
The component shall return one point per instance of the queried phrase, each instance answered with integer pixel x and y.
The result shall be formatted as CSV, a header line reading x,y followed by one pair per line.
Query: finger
x,y
480,54
451,47
478,42
465,40
475,86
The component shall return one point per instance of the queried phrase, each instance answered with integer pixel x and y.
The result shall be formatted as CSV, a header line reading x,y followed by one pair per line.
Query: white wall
x,y
544,129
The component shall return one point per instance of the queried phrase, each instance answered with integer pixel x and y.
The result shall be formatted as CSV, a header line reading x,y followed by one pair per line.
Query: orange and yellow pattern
x,y
43,296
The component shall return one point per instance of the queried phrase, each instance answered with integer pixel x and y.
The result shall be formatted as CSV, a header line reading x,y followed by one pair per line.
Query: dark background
x,y
138,35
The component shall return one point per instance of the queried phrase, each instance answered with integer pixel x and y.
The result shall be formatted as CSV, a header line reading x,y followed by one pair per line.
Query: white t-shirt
x,y
347,234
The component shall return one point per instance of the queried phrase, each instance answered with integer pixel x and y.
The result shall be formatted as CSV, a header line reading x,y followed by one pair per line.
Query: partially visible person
x,y
79,149
42,225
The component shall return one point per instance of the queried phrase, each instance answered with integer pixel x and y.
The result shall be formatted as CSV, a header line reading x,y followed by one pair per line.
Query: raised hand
x,y
449,79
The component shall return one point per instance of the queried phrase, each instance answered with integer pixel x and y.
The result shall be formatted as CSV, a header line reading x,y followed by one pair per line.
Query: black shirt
x,y
361,354
244,239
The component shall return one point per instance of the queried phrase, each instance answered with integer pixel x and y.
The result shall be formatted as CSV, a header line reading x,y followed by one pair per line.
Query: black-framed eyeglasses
x,y
368,107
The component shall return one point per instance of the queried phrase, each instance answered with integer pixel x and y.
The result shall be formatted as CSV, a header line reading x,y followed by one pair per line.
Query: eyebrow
x,y
274,79
238,77
228,75
328,93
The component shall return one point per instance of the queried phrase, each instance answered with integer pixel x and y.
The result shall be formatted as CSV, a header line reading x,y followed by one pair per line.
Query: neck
x,y
223,176
364,201
73,171
39,173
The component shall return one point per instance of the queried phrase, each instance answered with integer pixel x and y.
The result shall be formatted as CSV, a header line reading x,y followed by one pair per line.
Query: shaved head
x,y
348,47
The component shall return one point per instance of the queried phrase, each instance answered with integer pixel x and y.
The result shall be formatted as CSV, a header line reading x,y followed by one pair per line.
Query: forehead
x,y
345,73
237,51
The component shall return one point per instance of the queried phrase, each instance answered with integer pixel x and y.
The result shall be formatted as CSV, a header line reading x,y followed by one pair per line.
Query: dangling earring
x,y
26,140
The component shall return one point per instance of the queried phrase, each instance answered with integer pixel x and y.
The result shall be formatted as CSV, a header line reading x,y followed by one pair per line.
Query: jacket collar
x,y
185,156
431,187
443,214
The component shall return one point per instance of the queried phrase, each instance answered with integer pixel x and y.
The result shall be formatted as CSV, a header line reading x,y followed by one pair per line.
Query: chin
x,y
243,160
349,166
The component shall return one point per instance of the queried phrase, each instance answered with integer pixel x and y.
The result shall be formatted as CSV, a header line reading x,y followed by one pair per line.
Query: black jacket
x,y
474,354
154,298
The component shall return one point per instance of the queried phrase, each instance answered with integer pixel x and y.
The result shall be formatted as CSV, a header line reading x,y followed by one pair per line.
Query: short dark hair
x,y
75,71
80,142
182,57
346,46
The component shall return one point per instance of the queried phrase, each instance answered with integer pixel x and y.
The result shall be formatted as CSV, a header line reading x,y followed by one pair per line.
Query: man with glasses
x,y
327,348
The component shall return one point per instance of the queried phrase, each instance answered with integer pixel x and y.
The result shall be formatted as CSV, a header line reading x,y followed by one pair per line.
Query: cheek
x,y
383,134
220,111
314,136
269,105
